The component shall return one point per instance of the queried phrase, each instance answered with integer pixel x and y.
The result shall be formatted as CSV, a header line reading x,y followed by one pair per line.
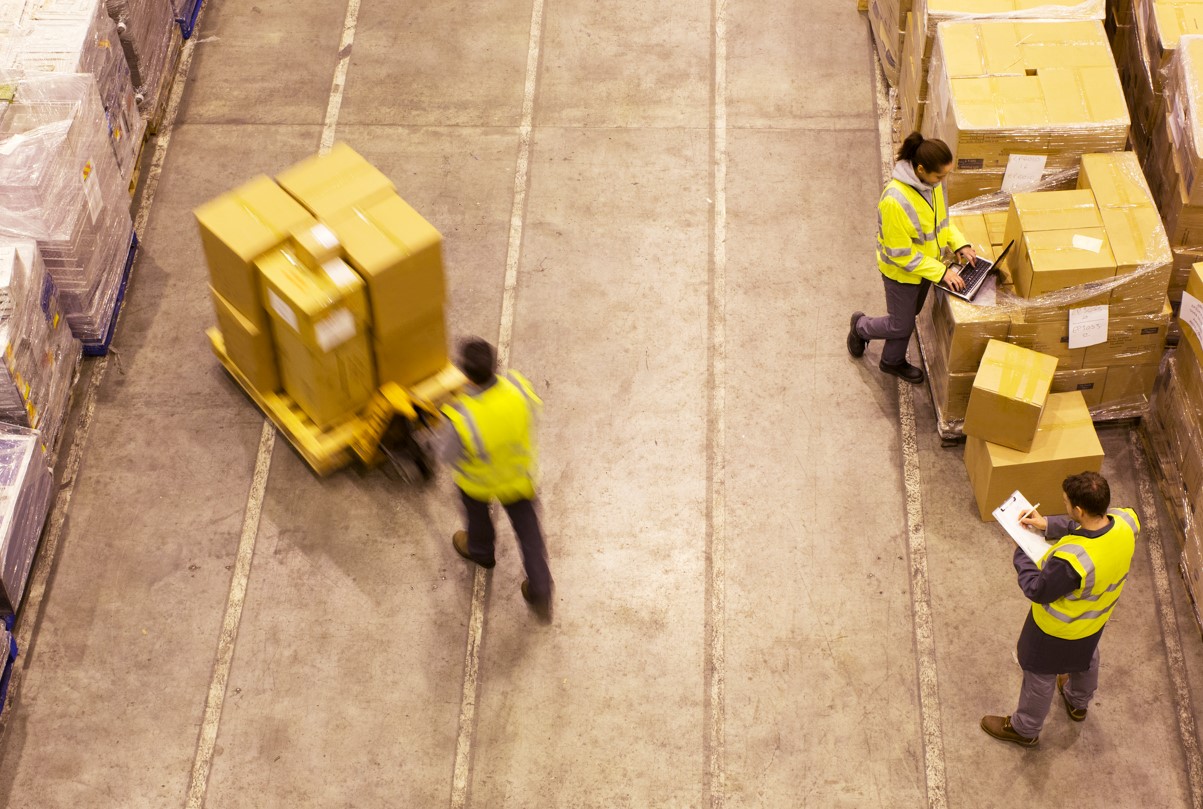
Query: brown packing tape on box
x,y
1009,392
248,345
1065,444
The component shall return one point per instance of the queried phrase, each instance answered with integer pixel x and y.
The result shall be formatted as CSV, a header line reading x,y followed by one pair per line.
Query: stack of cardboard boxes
x,y
1046,89
1175,431
1100,244
1019,435
920,37
327,285
886,18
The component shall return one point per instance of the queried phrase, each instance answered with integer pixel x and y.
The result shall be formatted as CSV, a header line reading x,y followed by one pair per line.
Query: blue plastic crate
x,y
188,21
102,348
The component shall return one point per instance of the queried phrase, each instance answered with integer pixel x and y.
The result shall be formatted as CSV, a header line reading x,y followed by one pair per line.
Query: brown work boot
x,y
1076,714
459,541
1000,728
540,608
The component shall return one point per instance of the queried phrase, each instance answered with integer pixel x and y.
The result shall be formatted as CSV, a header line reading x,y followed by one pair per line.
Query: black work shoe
x,y
1076,714
1000,728
856,343
459,541
904,370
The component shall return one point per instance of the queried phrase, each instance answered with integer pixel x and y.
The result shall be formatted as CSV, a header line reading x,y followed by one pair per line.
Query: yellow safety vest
x,y
1103,564
909,236
496,431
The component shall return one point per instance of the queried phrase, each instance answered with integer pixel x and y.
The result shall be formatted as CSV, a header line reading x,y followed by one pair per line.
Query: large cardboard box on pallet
x,y
1136,340
1129,382
329,184
1032,88
319,326
1060,242
1009,393
1065,443
963,330
1047,337
239,227
248,344
1190,313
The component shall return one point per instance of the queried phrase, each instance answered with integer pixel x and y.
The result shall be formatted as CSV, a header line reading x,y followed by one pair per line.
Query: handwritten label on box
x,y
1087,326
1023,172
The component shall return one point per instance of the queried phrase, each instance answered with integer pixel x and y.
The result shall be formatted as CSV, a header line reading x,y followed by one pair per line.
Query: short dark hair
x,y
477,360
931,153
1088,491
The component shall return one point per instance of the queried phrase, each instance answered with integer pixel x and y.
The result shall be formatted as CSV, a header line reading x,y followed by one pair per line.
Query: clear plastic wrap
x,y
151,39
40,357
60,186
25,494
1045,89
1108,224
77,36
920,36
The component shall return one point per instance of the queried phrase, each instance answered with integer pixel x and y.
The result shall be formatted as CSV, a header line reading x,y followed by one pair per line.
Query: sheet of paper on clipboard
x,y
1008,515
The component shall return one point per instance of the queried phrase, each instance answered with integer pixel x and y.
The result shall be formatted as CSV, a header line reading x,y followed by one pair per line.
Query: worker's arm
x,y
1056,579
450,448
1059,526
897,242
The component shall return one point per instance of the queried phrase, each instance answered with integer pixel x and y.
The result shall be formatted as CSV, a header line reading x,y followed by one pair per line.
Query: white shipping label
x,y
340,273
92,191
1191,313
1087,326
325,236
282,309
1087,243
1023,172
335,330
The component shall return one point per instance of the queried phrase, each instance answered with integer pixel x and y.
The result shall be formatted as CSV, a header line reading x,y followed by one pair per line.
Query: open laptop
x,y
975,275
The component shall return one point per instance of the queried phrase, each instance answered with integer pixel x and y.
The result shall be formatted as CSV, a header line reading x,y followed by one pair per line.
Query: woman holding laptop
x,y
912,231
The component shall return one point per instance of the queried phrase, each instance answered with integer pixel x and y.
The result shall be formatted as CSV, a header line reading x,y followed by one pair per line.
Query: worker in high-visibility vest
x,y
1073,592
913,230
493,454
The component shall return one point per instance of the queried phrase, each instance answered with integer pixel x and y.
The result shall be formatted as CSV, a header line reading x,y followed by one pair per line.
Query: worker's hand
x,y
953,280
1034,520
967,255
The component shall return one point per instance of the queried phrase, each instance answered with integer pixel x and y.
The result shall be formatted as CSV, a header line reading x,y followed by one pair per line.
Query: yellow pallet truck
x,y
396,425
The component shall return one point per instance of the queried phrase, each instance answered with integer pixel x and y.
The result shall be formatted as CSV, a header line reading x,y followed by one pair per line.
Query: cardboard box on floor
x,y
1065,443
1009,392
248,345
239,227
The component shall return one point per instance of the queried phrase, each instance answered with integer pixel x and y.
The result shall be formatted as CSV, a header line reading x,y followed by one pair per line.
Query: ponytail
x,y
930,153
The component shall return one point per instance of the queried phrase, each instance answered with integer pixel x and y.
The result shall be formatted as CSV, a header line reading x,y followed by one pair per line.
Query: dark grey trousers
x,y
903,302
1036,696
482,538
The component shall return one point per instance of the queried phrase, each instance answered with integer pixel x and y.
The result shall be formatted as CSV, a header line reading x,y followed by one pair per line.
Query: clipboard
x,y
1008,516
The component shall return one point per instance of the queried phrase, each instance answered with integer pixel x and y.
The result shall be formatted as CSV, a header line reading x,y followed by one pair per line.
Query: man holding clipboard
x,y
1073,592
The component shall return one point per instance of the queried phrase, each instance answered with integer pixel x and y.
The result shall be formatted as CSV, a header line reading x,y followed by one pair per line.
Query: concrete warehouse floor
x,y
742,618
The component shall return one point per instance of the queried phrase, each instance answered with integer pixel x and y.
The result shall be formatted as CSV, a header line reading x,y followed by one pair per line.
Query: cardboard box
x,y
239,227
1132,340
327,385
1129,383
1190,314
248,345
885,21
1090,382
1116,180
324,306
1142,257
1051,338
1185,116
950,392
1065,444
1008,395
963,330
315,245
1060,242
976,232
1034,87
399,256
329,184
409,355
